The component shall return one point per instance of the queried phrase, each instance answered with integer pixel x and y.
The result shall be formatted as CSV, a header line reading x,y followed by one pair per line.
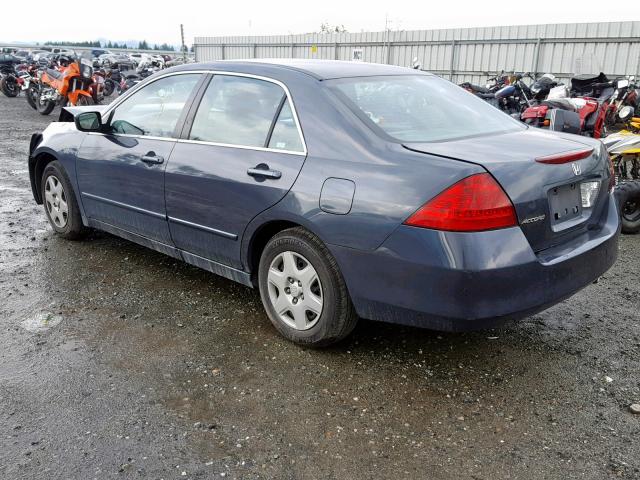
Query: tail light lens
x,y
473,204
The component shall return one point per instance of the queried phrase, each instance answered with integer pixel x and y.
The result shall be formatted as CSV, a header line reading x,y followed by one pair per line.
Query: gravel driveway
x,y
118,362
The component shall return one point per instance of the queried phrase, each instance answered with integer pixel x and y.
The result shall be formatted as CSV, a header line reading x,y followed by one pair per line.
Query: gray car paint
x,y
404,274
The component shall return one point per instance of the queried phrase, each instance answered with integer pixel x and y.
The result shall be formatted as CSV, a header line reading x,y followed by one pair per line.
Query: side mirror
x,y
88,122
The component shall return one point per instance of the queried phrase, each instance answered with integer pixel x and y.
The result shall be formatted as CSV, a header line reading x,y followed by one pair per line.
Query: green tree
x,y
326,28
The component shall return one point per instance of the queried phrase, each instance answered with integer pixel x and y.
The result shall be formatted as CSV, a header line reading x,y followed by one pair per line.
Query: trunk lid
x,y
547,197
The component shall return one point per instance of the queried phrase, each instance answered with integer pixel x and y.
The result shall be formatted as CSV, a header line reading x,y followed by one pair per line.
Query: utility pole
x,y
386,36
184,47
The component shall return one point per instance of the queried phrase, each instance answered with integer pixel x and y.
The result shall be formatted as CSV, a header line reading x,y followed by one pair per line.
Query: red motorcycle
x,y
584,113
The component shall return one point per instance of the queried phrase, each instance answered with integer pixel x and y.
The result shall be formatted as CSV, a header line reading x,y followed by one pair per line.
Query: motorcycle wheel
x,y
9,86
109,87
32,95
629,195
44,107
83,100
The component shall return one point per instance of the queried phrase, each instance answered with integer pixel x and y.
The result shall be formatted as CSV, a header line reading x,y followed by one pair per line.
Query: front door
x,y
121,172
242,155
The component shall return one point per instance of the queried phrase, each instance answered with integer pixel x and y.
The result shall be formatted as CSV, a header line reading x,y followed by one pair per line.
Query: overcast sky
x,y
158,22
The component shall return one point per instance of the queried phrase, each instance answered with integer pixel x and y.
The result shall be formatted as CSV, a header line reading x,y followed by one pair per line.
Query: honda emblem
x,y
577,170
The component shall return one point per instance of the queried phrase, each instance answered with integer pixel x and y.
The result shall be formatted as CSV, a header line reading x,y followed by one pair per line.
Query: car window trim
x,y
287,95
197,100
274,121
187,104
193,108
177,131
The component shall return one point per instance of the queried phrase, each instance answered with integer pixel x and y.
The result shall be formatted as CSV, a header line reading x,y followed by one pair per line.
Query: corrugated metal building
x,y
466,54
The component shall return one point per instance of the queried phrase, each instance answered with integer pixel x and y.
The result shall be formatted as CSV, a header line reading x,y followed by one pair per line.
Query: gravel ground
x,y
118,362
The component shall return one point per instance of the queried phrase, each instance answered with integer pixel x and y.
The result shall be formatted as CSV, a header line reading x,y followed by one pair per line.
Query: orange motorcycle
x,y
71,83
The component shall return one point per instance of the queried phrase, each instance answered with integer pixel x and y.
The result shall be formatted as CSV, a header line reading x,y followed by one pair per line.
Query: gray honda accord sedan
x,y
340,190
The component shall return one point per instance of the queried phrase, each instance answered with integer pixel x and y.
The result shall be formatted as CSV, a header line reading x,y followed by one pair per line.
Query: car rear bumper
x,y
463,281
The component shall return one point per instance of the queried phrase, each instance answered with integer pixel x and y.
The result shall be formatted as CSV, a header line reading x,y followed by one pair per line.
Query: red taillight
x,y
565,157
473,204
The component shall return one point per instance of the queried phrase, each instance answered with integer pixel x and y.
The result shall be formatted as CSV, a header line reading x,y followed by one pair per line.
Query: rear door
x,y
240,156
121,173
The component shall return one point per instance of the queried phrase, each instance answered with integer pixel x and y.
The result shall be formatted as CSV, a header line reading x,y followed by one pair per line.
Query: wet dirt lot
x,y
118,362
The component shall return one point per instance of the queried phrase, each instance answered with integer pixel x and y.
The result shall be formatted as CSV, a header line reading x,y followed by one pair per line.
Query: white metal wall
x,y
468,54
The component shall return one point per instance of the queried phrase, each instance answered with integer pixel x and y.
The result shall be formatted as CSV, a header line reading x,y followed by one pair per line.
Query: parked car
x,y
340,190
110,59
36,55
22,55
145,60
67,52
49,58
178,61
95,55
139,57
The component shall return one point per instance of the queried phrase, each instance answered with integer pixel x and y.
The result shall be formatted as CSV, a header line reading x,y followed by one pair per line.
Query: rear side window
x,y
241,111
155,109
285,134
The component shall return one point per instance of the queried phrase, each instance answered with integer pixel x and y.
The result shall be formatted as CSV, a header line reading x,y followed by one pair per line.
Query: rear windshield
x,y
421,108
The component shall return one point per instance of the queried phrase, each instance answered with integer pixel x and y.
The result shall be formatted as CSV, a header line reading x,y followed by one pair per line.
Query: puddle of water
x,y
41,322
8,188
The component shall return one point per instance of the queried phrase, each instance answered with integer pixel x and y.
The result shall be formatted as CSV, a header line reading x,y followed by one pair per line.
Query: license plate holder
x,y
565,205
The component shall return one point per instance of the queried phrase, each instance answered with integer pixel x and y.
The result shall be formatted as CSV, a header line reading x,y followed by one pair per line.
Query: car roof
x,y
320,69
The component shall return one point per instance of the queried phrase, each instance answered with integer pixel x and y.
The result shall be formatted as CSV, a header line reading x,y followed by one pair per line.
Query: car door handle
x,y
152,158
264,172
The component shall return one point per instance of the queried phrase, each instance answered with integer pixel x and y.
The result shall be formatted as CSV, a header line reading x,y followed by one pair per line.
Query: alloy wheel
x,y
295,290
56,201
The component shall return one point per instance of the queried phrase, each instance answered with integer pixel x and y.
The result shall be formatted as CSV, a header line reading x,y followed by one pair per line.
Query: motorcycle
x,y
70,84
131,79
584,113
8,78
97,88
112,80
626,97
541,87
509,93
624,150
516,96
28,81
128,81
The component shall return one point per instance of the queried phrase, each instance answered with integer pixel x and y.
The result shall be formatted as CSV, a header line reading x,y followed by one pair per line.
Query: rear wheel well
x,y
260,239
42,161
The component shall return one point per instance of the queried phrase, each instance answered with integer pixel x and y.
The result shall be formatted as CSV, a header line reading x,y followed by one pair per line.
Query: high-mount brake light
x,y
565,157
473,204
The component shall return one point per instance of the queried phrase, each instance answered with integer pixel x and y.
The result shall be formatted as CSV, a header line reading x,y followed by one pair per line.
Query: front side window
x,y
421,108
237,111
155,109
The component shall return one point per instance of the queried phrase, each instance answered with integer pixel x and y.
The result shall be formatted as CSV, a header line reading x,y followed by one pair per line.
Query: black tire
x,y
32,96
338,317
46,107
9,86
83,100
628,196
72,229
109,87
